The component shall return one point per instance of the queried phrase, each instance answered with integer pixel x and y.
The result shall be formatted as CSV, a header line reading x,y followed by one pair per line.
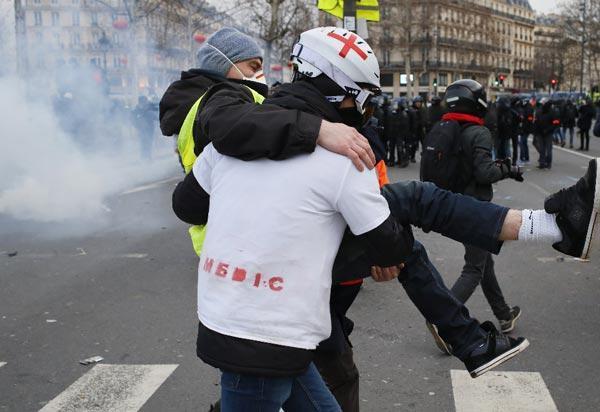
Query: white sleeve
x,y
203,166
360,201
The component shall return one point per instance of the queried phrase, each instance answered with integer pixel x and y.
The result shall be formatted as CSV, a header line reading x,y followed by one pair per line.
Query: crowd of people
x,y
512,120
291,208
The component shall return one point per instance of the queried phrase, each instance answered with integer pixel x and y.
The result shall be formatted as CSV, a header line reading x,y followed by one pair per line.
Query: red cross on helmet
x,y
342,56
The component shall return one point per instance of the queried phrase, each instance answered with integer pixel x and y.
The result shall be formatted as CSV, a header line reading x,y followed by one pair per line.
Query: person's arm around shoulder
x,y
238,127
367,213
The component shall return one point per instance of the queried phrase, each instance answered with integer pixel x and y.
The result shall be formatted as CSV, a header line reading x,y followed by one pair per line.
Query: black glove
x,y
508,170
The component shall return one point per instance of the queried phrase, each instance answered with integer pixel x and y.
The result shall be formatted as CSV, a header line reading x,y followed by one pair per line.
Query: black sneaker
x,y
496,350
216,407
509,324
577,209
444,347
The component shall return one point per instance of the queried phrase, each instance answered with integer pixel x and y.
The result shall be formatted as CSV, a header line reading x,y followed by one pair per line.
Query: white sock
x,y
539,226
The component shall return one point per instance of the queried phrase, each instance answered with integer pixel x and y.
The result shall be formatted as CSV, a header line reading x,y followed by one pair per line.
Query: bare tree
x,y
279,22
581,24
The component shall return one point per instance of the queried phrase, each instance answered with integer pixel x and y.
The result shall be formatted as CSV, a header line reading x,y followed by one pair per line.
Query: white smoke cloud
x,y
49,175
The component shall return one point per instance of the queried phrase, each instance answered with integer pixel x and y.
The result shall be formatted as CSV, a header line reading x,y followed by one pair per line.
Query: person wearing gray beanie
x,y
225,47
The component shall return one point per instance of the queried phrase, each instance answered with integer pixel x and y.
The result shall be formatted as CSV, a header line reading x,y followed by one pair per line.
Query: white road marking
x,y
123,388
574,152
501,391
134,255
2,364
559,259
151,185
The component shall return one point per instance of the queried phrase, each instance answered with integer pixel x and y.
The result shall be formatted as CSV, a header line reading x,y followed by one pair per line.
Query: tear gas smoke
x,y
63,168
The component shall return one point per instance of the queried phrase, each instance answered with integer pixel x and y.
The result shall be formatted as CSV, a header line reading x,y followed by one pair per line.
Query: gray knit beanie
x,y
234,44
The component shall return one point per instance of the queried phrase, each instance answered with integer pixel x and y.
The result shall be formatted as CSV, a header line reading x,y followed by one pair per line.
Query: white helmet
x,y
343,57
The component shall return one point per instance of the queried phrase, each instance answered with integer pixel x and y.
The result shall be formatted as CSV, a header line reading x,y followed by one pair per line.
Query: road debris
x,y
93,359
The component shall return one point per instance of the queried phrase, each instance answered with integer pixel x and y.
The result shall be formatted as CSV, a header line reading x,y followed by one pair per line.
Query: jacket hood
x,y
181,96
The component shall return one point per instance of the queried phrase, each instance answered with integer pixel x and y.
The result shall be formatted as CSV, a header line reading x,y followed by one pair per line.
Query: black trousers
x,y
584,135
479,270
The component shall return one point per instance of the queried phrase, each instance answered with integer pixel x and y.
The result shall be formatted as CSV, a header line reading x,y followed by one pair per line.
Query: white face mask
x,y
259,76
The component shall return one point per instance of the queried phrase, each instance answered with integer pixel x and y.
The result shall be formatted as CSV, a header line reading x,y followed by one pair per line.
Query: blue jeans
x,y
571,131
558,135
524,147
546,150
249,393
426,289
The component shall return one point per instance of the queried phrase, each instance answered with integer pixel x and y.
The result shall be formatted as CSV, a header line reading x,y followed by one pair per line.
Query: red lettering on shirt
x,y
222,269
239,275
275,283
257,280
208,264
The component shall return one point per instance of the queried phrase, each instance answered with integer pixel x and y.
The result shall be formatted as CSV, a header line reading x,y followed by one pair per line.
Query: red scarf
x,y
462,117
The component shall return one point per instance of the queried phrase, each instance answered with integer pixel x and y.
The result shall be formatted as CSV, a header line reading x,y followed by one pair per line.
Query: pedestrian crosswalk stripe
x,y
123,388
2,364
501,391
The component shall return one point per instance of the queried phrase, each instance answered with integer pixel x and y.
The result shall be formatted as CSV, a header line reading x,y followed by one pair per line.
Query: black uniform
x,y
586,116
396,135
418,121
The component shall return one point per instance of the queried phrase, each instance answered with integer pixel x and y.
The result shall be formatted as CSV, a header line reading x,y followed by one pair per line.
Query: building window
x,y
55,18
424,79
94,18
387,79
75,18
443,79
37,17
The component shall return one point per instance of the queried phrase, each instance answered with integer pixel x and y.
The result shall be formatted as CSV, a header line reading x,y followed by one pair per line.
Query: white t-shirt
x,y
274,228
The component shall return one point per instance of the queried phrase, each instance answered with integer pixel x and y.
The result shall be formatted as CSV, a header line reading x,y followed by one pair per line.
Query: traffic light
x,y
496,82
435,82
501,79
553,82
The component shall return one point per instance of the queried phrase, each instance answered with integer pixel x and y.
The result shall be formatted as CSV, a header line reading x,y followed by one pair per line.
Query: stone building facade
x,y
130,53
440,41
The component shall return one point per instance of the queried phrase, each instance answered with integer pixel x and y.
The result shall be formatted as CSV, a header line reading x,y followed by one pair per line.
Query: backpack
x,y
441,157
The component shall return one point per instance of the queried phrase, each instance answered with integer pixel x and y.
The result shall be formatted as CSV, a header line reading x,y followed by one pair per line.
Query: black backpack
x,y
441,156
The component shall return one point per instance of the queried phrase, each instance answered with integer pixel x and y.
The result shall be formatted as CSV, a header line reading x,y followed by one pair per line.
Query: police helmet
x,y
466,96
402,102
417,99
435,100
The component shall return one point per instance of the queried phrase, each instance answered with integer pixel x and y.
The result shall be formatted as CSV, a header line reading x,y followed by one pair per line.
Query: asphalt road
x,y
124,289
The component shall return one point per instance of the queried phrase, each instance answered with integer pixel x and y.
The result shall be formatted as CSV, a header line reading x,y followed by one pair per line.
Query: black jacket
x,y
568,115
418,120
181,96
238,128
586,116
398,124
434,115
545,118
478,168
268,125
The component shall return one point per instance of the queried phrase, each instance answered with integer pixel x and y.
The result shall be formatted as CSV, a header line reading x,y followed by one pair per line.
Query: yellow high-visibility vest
x,y
365,9
185,145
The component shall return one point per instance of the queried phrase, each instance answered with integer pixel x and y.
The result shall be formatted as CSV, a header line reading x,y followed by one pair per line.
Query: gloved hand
x,y
508,170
